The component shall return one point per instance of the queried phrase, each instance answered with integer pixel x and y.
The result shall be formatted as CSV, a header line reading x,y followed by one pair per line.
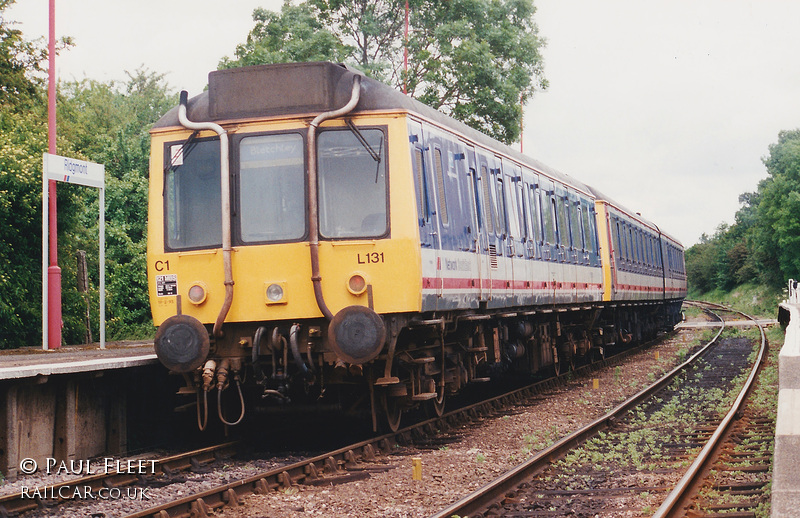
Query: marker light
x,y
357,284
197,294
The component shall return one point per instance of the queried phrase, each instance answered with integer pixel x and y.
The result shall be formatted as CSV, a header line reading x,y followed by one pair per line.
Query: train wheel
x,y
392,410
562,366
435,406
599,353
557,367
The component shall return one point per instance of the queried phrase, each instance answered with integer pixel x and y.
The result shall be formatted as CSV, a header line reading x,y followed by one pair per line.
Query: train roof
x,y
309,88
285,89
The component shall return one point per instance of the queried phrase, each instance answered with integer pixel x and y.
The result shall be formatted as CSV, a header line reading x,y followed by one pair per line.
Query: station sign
x,y
70,170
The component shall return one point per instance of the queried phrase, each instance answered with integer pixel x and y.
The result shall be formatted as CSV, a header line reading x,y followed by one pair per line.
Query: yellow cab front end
x,y
261,308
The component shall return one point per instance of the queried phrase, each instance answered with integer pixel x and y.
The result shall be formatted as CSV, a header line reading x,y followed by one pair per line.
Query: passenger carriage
x,y
330,239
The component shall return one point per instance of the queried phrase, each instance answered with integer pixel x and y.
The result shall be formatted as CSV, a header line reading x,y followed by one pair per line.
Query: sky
x,y
665,106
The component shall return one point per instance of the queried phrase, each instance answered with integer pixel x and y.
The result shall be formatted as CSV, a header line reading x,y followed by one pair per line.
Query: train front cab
x,y
368,250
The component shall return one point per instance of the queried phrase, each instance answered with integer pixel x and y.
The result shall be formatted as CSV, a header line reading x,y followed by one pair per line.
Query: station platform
x,y
29,362
786,458
74,402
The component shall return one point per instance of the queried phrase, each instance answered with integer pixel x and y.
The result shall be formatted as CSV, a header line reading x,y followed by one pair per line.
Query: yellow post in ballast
x,y
416,468
595,383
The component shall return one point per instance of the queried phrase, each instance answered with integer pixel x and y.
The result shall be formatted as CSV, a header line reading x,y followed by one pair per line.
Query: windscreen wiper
x,y
375,156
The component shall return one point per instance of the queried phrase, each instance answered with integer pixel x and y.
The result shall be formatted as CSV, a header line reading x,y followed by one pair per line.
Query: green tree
x,y
701,266
108,123
23,138
296,34
103,122
762,245
476,60
779,210
18,60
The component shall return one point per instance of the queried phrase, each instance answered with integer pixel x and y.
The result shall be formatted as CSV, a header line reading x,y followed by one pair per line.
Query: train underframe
x,y
426,359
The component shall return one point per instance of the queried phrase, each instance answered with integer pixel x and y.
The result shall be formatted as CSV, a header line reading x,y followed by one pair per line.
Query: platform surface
x,y
28,362
785,481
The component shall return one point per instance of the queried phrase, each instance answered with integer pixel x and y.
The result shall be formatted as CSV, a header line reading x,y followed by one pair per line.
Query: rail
x,y
671,504
495,490
16,503
332,467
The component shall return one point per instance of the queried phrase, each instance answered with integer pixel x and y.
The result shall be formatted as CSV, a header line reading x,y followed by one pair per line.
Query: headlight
x,y
276,293
197,293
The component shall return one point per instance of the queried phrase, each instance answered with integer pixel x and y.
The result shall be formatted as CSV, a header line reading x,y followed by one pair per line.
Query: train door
x,y
504,244
576,241
566,275
549,238
594,275
443,236
479,237
487,202
516,231
534,243
426,210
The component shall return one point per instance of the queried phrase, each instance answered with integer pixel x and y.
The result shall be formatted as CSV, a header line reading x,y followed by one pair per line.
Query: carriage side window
x,y
548,216
512,207
501,214
352,183
536,215
528,207
272,188
631,246
639,251
643,246
487,200
640,245
626,247
562,222
193,212
588,228
575,225
437,165
476,193
422,189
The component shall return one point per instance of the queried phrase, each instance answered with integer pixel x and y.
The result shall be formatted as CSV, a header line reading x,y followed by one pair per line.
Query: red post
x,y
53,271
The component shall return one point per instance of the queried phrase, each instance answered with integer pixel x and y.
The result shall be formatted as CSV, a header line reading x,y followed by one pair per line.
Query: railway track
x,y
731,476
352,463
123,474
356,461
616,461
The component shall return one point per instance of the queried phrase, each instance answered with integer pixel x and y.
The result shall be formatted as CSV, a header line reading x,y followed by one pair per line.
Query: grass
x,y
758,301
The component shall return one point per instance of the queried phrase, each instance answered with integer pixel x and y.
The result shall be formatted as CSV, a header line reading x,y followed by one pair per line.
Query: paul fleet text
x,y
92,467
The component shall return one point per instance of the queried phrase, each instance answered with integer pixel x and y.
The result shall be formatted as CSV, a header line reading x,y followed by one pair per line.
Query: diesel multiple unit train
x,y
318,237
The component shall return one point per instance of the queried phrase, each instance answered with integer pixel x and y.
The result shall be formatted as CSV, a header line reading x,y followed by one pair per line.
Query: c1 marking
x,y
160,266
